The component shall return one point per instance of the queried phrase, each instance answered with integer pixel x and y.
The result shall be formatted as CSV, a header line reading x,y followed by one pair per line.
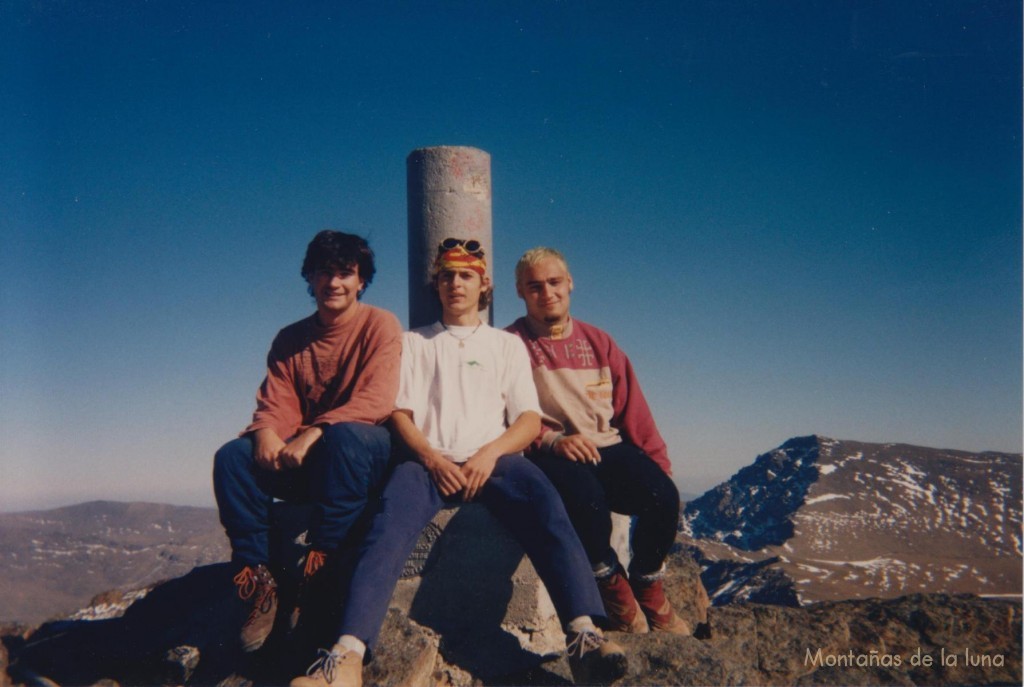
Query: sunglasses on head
x,y
471,245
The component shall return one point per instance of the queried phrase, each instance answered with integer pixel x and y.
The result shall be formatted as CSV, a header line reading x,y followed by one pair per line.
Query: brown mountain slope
x,y
53,562
846,519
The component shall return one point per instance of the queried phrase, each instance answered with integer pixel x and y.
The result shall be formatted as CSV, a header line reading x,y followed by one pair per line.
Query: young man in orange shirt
x,y
315,436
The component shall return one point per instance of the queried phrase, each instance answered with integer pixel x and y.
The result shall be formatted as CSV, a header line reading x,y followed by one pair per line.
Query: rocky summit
x,y
179,633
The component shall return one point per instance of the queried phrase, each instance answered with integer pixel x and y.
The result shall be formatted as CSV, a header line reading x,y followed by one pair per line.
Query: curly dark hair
x,y
337,250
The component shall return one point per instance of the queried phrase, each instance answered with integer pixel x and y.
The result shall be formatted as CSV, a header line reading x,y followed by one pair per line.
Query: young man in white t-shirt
x,y
466,409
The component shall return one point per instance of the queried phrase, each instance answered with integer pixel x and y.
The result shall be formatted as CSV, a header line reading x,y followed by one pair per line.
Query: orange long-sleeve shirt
x,y
320,375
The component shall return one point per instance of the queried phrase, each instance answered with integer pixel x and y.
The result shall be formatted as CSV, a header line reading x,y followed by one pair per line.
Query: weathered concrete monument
x,y
449,196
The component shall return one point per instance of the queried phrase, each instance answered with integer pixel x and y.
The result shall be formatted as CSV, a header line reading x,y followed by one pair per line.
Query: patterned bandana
x,y
458,258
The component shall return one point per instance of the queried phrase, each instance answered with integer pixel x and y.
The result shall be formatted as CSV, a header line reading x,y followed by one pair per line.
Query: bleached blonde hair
x,y
535,255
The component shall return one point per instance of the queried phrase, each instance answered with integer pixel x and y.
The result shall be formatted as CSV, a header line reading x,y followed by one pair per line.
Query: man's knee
x,y
411,491
583,494
358,440
232,457
355,453
575,482
524,482
665,494
640,475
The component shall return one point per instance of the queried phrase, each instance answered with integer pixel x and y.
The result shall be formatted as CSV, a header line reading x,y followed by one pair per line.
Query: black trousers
x,y
625,481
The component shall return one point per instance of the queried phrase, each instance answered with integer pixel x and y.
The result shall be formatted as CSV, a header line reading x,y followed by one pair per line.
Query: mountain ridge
x,y
53,561
847,519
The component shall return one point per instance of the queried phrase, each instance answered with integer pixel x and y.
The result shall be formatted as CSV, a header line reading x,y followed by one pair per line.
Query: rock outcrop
x,y
470,611
469,607
869,642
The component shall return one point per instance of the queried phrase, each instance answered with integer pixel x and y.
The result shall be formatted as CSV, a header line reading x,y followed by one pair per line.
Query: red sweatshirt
x,y
322,376
587,386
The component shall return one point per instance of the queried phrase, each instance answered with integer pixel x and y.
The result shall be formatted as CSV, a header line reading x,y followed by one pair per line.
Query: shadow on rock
x,y
161,635
467,607
184,630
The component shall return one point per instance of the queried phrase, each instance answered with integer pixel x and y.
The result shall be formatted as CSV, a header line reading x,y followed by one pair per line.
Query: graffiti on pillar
x,y
477,185
459,162
465,168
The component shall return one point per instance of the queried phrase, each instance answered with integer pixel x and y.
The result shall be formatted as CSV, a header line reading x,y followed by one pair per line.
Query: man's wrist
x,y
550,439
428,457
487,454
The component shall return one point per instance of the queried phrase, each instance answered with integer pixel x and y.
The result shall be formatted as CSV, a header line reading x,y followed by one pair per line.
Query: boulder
x,y
468,581
863,642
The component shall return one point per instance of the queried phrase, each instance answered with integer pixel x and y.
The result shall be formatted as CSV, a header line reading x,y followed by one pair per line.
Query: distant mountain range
x,y
814,519
819,519
53,562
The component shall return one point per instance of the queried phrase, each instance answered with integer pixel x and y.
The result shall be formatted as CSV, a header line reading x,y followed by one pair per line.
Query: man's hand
x,y
266,449
446,474
477,470
577,448
294,452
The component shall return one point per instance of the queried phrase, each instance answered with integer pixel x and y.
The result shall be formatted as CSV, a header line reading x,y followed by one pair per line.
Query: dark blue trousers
x,y
339,474
517,494
625,481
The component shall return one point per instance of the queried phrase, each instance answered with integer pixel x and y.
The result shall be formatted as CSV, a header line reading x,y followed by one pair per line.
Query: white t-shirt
x,y
462,397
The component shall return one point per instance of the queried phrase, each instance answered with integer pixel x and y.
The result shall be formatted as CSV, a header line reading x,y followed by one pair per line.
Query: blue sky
x,y
799,217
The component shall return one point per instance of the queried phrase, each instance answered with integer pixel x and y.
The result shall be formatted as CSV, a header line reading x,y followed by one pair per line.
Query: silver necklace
x,y
462,339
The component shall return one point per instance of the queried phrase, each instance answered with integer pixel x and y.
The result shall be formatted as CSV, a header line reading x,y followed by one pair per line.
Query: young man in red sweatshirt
x,y
316,435
599,445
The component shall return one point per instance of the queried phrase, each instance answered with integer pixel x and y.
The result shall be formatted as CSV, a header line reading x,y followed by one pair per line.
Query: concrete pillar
x,y
449,196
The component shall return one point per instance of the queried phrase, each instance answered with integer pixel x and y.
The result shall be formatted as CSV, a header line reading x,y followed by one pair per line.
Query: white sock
x,y
581,624
351,643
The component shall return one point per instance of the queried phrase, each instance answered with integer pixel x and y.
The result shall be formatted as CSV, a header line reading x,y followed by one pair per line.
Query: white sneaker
x,y
335,668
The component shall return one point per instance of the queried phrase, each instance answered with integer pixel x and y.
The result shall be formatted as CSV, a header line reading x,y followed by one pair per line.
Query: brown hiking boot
x,y
621,607
593,659
660,616
338,667
257,586
315,562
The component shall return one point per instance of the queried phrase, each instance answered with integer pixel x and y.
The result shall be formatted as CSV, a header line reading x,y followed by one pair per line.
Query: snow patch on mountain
x,y
849,519
824,497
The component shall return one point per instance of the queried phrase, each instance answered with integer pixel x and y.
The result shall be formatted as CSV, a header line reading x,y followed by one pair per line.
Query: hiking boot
x,y
257,587
315,562
660,616
335,668
621,607
593,659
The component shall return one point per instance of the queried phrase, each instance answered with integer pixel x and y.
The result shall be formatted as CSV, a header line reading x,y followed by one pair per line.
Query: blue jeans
x,y
338,475
517,494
